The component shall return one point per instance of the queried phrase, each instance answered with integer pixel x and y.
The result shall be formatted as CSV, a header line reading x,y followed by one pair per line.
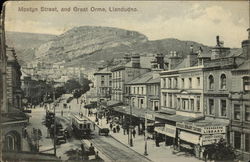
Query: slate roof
x,y
142,79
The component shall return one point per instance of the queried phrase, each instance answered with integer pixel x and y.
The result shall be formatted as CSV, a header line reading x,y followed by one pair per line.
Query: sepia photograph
x,y
118,81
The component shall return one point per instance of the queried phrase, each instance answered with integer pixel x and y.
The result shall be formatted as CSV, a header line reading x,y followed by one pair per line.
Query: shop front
x,y
166,133
195,137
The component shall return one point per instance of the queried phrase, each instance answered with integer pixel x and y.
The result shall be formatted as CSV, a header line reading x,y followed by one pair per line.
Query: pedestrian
x,y
110,126
124,132
205,154
94,125
118,128
114,130
134,132
107,119
61,112
127,131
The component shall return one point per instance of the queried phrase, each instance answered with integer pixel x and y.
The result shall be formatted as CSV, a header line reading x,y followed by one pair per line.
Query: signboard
x,y
201,129
149,116
189,127
170,130
209,139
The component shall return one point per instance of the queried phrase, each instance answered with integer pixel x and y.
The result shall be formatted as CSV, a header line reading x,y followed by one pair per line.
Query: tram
x,y
82,127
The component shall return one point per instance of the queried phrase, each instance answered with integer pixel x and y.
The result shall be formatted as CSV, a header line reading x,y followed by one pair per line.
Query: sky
x,y
199,21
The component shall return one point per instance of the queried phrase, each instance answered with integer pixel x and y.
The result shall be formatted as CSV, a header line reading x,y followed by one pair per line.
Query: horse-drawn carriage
x,y
82,127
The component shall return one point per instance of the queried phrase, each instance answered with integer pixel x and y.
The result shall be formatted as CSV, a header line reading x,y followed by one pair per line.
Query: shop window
x,y
223,81
211,82
237,140
247,142
236,112
247,112
246,83
223,108
211,107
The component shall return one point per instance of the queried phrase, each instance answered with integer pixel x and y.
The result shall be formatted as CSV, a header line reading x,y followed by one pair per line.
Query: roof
x,y
103,71
142,79
155,80
244,66
145,62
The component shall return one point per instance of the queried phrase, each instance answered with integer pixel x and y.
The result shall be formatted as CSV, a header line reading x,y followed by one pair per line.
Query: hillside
x,y
92,46
25,44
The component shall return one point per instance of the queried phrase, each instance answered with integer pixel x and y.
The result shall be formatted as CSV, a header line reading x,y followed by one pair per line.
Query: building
x,y
239,104
103,84
124,73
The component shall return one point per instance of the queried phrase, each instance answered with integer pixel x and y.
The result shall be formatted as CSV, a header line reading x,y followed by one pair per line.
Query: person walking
x,y
118,128
134,132
110,126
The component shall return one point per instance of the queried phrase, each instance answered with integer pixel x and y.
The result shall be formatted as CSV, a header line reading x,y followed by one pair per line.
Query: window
x,y
134,90
190,82
211,107
178,103
182,82
223,107
102,83
170,100
246,83
198,103
236,112
169,83
223,81
247,112
192,104
211,82
102,77
142,90
198,82
247,142
110,83
175,83
138,89
237,140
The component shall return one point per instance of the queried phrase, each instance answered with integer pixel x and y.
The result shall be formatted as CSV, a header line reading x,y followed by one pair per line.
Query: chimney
x,y
246,46
219,51
127,58
154,64
135,60
174,59
191,57
160,60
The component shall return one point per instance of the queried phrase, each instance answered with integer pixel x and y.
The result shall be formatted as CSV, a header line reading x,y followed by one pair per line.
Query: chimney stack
x,y
219,51
160,60
174,59
135,60
246,46
191,57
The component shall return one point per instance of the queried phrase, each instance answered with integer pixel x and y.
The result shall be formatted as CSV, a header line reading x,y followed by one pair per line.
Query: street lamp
x,y
130,126
146,134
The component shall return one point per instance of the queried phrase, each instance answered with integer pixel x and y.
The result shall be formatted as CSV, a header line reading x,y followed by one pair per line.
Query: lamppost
x,y
130,126
146,134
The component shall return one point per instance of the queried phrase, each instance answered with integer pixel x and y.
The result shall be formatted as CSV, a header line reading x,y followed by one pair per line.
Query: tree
x,y
71,85
221,151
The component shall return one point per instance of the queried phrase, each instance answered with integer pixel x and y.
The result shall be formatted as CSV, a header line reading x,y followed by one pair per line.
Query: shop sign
x,y
170,130
214,129
209,139
189,127
190,137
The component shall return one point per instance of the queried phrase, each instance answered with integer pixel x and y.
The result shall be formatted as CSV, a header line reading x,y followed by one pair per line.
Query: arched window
x,y
211,82
223,81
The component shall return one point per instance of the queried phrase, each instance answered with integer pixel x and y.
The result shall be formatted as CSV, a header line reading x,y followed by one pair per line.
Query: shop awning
x,y
189,137
168,130
140,113
171,117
